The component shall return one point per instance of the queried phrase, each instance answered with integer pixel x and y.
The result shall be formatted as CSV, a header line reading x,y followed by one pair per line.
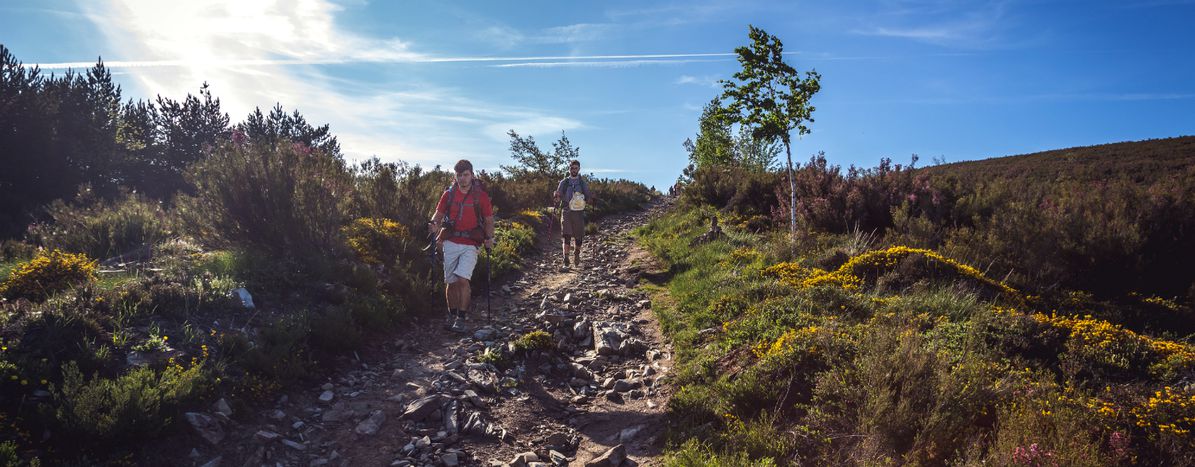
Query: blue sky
x,y
432,81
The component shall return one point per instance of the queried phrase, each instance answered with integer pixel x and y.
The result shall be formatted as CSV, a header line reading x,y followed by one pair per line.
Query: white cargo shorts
x,y
459,261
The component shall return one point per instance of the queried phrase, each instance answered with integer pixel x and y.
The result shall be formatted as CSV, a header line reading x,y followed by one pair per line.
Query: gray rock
x,y
632,347
558,457
421,409
371,424
294,445
265,436
484,334
214,462
450,459
243,294
326,397
560,442
336,414
474,399
451,425
611,458
221,407
206,426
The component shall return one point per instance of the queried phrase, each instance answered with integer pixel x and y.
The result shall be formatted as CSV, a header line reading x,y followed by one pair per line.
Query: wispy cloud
x,y
958,24
711,81
596,60
603,63
257,53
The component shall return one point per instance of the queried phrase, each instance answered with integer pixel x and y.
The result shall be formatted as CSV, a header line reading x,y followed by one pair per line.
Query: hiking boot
x,y
565,266
577,260
452,322
458,324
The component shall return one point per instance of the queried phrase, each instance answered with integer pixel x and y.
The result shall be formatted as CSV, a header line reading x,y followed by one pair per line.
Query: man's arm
x,y
434,224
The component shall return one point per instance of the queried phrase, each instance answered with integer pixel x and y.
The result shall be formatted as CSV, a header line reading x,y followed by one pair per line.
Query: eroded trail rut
x,y
426,398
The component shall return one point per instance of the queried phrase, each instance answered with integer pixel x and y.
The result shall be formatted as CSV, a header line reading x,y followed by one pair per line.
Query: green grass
x,y
911,369
6,268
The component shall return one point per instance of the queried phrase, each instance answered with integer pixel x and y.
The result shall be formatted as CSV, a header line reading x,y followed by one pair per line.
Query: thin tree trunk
x,y
792,195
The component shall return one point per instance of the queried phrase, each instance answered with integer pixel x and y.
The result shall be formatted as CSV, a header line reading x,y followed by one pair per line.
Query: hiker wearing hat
x,y
464,222
575,192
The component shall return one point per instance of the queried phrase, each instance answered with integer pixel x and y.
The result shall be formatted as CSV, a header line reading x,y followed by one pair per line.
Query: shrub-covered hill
x,y
1140,161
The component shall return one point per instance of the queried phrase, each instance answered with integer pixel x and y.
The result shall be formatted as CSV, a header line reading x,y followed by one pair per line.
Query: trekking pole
x,y
489,279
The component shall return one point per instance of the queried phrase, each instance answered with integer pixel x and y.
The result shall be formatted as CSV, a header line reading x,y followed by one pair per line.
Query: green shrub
x,y
280,355
48,273
103,229
285,201
534,340
398,191
378,241
335,330
693,453
131,407
511,240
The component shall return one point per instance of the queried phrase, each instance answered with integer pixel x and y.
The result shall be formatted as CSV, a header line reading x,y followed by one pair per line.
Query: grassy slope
x,y
1141,161
915,366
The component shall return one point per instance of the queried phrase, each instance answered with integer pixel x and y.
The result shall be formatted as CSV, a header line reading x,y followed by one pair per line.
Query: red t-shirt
x,y
461,210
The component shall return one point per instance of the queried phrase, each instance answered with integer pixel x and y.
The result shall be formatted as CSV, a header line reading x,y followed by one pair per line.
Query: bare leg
x,y
463,292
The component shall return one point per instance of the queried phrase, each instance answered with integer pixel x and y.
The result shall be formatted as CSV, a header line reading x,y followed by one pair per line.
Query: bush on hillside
x,y
378,241
48,273
141,403
734,189
615,196
398,191
287,201
102,228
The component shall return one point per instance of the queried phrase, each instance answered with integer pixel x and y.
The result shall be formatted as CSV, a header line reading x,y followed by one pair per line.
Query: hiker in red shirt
x,y
464,221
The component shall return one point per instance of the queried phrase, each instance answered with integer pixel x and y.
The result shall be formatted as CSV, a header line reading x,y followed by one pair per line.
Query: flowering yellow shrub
x,y
873,263
806,339
792,273
1103,335
532,214
376,240
48,273
1167,410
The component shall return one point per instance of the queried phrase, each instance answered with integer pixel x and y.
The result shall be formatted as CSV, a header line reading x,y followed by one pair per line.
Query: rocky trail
x,y
428,397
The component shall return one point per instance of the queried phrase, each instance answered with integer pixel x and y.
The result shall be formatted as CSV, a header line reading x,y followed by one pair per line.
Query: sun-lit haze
x,y
432,82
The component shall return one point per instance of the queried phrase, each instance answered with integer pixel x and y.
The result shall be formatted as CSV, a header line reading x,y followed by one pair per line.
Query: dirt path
x,y
427,397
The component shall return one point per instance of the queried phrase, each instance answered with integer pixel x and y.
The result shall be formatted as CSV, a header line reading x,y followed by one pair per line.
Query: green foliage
x,y
280,128
100,228
140,403
378,241
716,146
511,239
287,200
48,273
733,189
398,191
533,341
770,97
531,160
909,365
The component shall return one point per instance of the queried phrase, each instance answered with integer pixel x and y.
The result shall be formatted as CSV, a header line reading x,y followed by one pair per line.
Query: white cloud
x,y
256,53
711,81
600,63
977,24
